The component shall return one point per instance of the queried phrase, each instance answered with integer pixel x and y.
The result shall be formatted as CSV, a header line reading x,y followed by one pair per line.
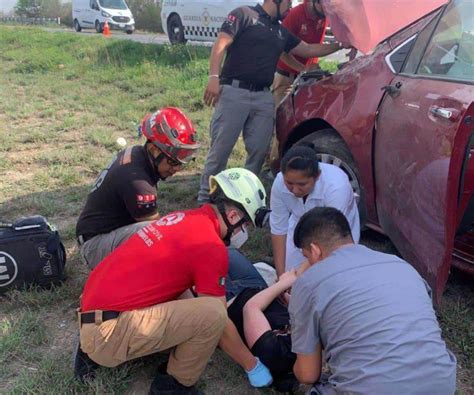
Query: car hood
x,y
365,23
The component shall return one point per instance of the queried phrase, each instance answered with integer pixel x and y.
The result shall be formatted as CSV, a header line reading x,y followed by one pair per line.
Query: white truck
x,y
198,20
92,14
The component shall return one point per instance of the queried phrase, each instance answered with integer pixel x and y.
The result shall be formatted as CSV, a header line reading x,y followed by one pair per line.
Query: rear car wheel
x,y
77,26
98,27
176,30
129,31
332,149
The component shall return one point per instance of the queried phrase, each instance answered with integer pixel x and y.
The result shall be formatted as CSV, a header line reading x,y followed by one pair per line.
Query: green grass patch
x,y
19,335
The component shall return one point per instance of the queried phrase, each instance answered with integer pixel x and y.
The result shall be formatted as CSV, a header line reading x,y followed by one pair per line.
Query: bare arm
x,y
306,50
279,253
255,322
211,94
232,344
291,61
307,367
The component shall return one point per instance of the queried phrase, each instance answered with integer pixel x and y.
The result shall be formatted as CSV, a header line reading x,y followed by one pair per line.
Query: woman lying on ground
x,y
262,319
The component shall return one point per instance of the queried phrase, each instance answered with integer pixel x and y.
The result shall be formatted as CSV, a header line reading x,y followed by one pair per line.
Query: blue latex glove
x,y
260,376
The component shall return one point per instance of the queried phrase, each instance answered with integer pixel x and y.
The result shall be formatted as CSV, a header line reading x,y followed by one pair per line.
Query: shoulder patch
x,y
146,201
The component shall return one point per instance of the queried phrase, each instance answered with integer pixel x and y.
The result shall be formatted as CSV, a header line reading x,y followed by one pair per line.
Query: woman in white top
x,y
302,184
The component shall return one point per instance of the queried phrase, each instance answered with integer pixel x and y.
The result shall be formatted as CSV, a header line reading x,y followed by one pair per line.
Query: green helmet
x,y
243,187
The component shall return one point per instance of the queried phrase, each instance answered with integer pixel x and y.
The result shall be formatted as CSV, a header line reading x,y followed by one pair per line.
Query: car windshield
x,y
114,4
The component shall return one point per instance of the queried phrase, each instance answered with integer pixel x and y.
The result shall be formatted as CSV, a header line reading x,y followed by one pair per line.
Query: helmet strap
x,y
230,227
155,161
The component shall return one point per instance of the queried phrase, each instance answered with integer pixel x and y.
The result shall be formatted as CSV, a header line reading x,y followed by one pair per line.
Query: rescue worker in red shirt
x,y
131,305
123,198
307,22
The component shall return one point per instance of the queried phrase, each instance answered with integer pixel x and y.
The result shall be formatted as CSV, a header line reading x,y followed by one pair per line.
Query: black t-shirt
x,y
258,43
124,192
276,313
274,346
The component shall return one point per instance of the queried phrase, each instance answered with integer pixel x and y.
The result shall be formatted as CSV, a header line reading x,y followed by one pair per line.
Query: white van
x,y
198,20
92,14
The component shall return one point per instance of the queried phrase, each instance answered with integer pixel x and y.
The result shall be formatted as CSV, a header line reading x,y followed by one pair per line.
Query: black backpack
x,y
31,253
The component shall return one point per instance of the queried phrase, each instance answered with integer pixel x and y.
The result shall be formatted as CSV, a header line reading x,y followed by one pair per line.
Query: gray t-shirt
x,y
373,316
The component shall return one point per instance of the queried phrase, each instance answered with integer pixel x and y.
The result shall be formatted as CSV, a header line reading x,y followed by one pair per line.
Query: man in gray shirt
x,y
370,313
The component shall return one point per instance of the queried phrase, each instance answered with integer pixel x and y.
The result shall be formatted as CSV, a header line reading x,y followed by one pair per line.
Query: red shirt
x,y
160,262
306,27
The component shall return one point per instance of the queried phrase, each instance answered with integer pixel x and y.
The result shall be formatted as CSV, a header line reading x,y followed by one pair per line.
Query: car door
x,y
423,129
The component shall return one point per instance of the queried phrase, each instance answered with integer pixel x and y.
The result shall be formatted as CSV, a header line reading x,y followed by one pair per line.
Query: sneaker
x,y
259,376
164,384
84,367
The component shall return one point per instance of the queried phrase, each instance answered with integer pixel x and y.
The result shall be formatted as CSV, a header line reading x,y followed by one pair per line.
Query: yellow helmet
x,y
243,187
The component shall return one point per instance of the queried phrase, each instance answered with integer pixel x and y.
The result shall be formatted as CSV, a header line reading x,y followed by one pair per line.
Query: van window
x,y
114,4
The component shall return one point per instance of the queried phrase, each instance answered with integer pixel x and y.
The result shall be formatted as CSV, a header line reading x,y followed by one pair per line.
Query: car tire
x,y
77,26
129,31
98,27
332,149
176,30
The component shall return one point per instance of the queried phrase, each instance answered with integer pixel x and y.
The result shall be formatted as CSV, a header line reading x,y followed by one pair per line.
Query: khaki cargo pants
x,y
191,328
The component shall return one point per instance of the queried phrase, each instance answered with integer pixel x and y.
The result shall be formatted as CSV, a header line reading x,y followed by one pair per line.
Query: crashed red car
x,y
400,123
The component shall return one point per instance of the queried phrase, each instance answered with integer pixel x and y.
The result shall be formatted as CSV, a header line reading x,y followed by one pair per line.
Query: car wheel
x,y
129,31
98,27
77,27
332,149
176,30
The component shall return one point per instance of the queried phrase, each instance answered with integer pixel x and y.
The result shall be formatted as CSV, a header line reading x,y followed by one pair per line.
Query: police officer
x,y
252,39
123,198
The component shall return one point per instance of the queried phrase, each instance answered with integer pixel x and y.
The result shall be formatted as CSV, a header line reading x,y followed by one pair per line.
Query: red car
x,y
400,123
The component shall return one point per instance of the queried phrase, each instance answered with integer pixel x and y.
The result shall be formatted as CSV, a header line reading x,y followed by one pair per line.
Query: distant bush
x,y
65,13
146,14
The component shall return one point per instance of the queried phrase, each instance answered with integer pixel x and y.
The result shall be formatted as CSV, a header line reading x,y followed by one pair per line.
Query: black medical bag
x,y
31,253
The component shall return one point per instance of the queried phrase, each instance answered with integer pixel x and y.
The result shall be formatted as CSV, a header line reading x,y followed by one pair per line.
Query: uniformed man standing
x,y
307,22
252,40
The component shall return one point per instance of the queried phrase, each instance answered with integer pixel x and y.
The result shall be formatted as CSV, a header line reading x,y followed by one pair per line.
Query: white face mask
x,y
238,239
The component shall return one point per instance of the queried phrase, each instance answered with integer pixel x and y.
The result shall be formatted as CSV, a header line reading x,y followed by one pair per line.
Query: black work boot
x,y
84,367
164,384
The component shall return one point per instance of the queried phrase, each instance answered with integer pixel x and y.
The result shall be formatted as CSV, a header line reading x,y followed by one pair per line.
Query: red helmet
x,y
172,132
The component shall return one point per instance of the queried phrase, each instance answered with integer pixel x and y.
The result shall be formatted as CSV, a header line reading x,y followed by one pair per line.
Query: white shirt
x,y
332,189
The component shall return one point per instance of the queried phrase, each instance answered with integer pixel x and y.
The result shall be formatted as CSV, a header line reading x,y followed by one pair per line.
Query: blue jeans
x,y
242,274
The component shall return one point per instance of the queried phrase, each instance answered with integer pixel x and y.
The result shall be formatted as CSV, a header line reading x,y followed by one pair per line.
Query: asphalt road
x,y
160,38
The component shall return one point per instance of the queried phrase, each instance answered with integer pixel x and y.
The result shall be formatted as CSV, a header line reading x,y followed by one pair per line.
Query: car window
x,y
420,44
450,52
396,59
